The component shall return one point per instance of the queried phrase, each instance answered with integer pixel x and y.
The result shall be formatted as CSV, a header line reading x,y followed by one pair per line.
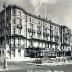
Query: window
x,y
51,27
19,21
56,46
39,36
56,40
39,30
19,41
14,11
46,45
38,22
45,33
1,33
51,33
56,33
45,30
14,30
29,43
19,31
19,13
19,53
29,19
14,41
55,28
14,21
0,52
51,39
13,52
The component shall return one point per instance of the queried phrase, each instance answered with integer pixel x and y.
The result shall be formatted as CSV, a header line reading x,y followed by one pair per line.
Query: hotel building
x,y
28,35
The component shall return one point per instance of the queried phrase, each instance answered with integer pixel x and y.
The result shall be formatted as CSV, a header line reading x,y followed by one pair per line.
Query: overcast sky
x,y
59,11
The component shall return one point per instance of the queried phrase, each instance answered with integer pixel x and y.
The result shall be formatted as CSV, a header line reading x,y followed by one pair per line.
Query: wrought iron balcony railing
x,y
56,36
17,45
45,34
51,35
39,32
31,31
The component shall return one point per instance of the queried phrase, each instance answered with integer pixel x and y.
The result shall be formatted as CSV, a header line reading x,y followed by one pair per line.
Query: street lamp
x,y
5,61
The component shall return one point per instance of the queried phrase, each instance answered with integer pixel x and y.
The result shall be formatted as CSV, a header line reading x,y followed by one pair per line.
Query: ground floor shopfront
x,y
41,52
17,53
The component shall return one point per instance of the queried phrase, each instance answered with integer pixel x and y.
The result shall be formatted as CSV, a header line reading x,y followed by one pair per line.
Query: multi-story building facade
x,y
66,39
27,35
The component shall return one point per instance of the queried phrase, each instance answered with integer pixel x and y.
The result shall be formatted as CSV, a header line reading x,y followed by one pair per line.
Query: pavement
x,y
10,67
27,65
16,65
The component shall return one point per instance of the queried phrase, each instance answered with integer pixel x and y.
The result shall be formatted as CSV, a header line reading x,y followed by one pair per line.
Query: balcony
x,y
19,26
17,45
39,32
57,40
31,31
45,34
56,36
17,35
51,35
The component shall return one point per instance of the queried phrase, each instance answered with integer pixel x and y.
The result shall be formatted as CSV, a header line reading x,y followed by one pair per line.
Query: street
x,y
34,68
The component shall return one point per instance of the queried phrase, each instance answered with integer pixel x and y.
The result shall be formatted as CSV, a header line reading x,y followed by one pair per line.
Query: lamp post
x,y
5,61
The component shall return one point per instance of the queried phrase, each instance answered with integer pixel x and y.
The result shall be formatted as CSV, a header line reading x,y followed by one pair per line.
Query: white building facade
x,y
27,35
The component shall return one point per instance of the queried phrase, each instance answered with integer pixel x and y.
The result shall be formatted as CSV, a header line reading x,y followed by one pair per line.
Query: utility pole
x,y
5,60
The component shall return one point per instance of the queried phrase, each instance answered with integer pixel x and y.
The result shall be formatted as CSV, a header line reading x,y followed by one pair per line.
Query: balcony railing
x,y
19,26
57,40
45,34
51,35
30,30
39,32
56,36
17,45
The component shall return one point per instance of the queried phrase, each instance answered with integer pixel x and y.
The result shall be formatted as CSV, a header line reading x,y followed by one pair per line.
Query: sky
x,y
58,11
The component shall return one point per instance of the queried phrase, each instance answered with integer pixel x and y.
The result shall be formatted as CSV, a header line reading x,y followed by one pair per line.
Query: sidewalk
x,y
10,67
19,67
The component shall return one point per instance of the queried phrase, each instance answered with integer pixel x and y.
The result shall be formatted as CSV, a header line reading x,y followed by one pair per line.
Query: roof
x,y
35,16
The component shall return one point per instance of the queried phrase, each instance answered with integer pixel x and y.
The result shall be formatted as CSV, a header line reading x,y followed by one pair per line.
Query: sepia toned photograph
x,y
35,35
